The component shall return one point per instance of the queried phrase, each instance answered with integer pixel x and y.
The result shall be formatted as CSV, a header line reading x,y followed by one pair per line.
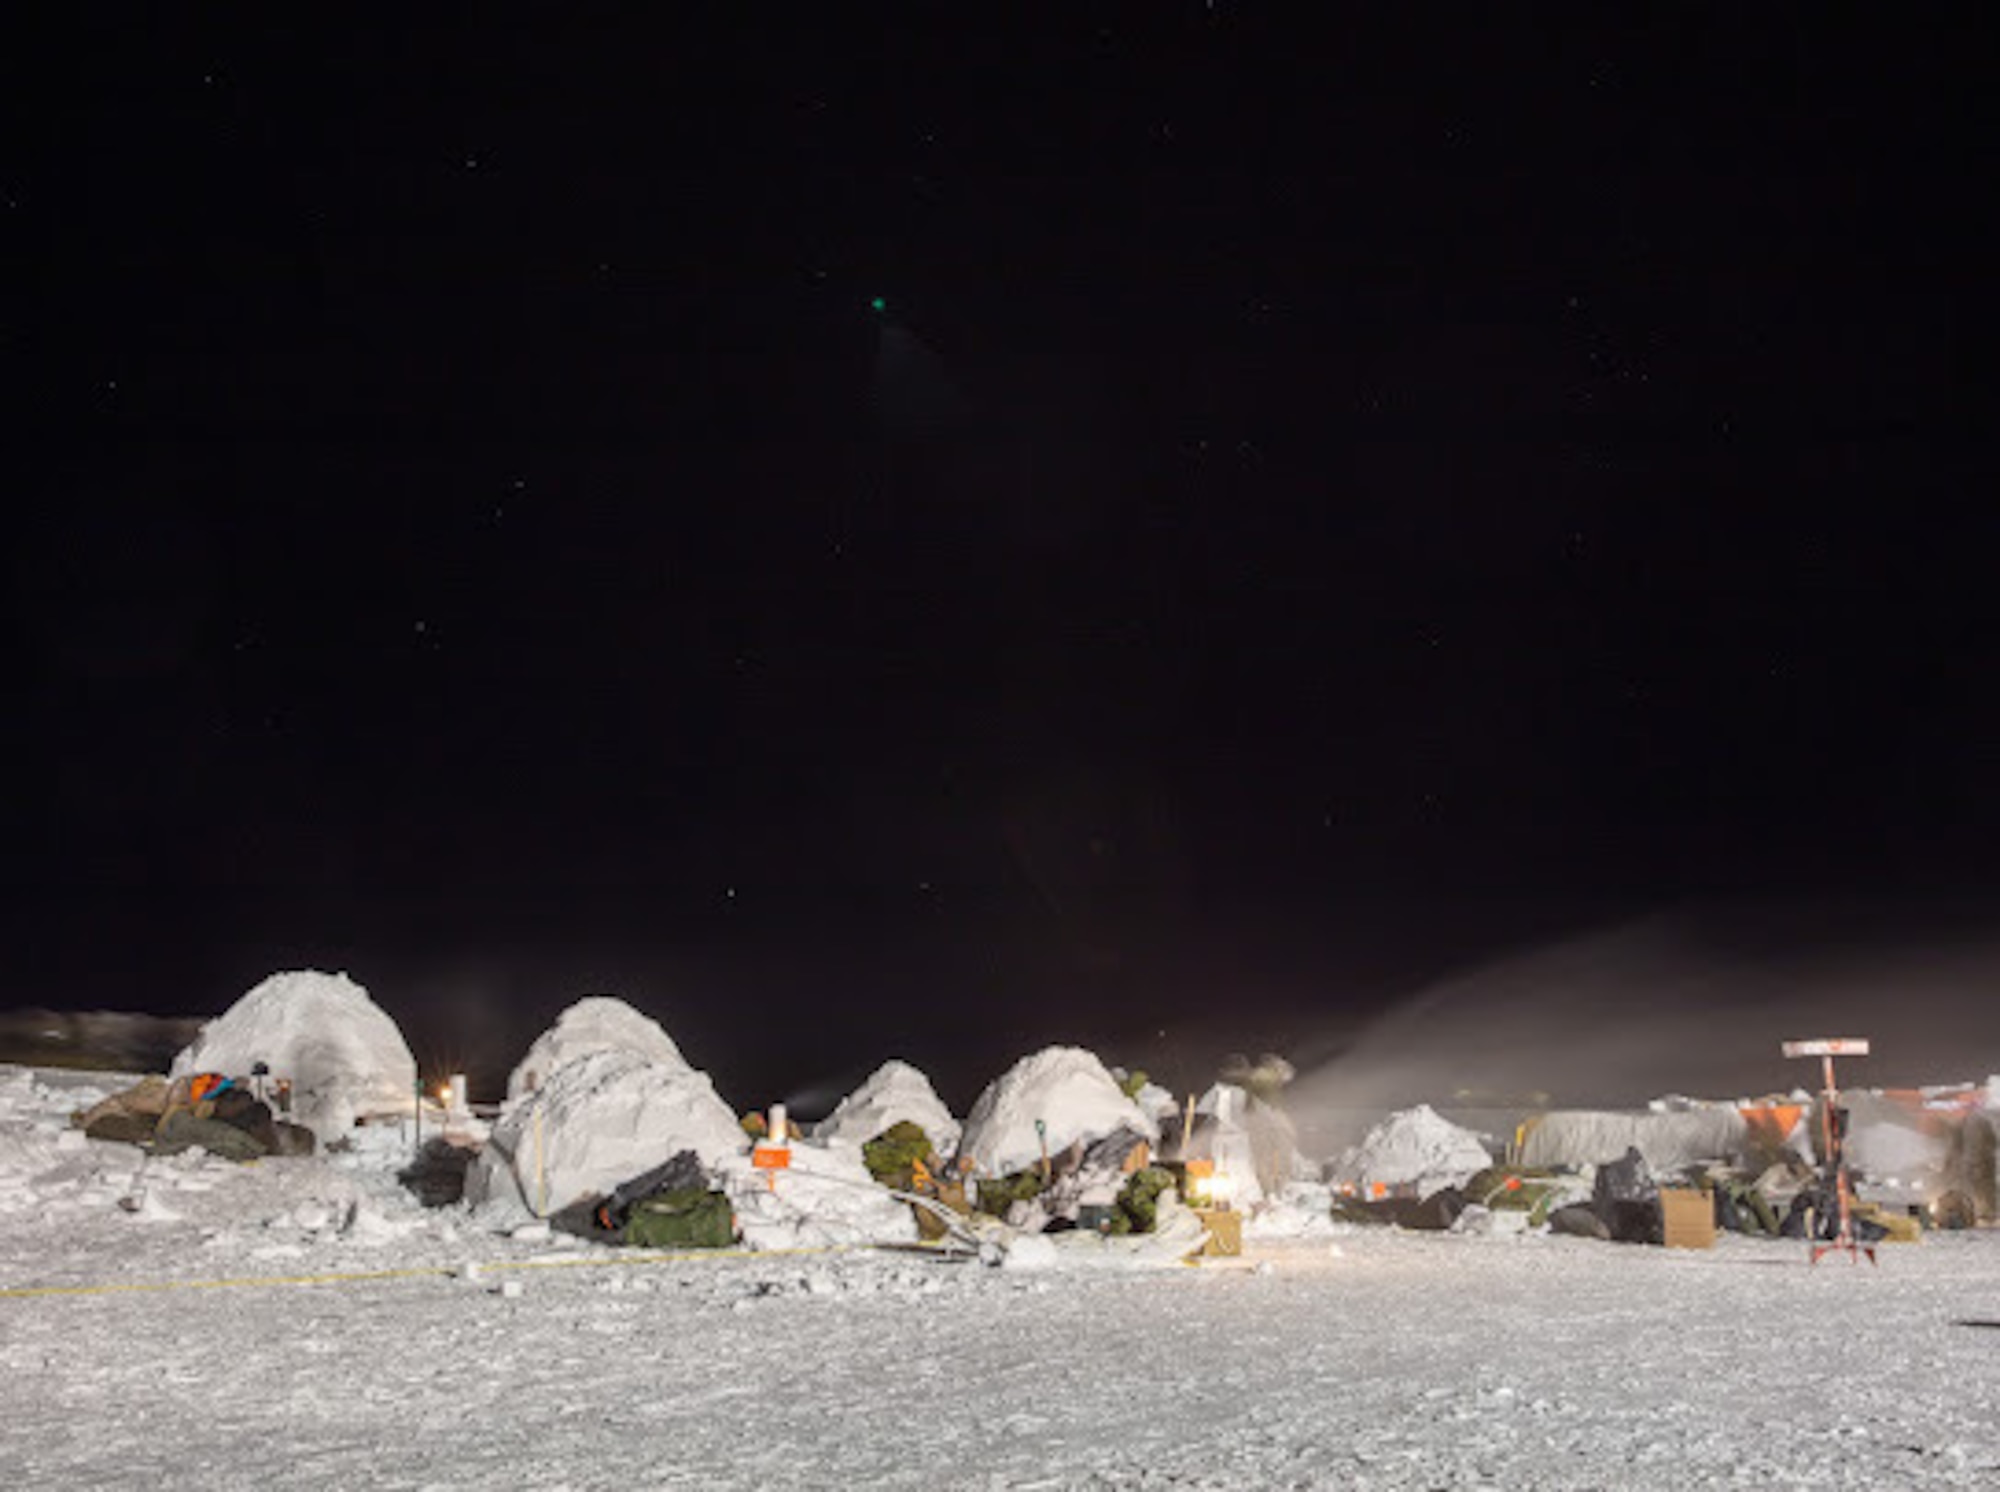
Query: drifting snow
x,y
1068,1091
596,1023
596,1122
1669,1141
1886,1142
1415,1148
345,1057
896,1092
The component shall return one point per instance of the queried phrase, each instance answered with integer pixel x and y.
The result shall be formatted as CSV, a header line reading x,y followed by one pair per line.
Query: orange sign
x,y
771,1159
1773,1123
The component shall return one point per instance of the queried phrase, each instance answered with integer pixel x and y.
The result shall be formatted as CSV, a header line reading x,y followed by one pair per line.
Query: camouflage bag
x,y
681,1218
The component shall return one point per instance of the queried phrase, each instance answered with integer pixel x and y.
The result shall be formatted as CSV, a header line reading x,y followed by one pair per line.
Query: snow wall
x,y
1669,1141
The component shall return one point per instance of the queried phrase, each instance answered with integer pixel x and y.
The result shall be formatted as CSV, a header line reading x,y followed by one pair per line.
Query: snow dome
x,y
1417,1147
597,1121
344,1056
895,1092
1068,1090
596,1023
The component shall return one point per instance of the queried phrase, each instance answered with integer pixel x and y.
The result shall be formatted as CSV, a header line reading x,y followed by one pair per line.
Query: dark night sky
x,y
1324,502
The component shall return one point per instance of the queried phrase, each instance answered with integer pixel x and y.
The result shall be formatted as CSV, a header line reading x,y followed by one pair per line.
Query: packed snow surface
x,y
894,1092
596,1023
596,1122
343,1054
1064,1088
341,1336
1417,1148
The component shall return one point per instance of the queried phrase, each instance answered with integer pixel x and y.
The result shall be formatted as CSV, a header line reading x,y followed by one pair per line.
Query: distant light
x,y
878,305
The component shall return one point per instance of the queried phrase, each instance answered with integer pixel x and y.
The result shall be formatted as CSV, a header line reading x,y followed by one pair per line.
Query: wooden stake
x,y
541,1169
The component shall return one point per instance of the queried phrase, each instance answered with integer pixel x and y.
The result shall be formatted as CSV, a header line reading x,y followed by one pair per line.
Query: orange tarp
x,y
1773,1123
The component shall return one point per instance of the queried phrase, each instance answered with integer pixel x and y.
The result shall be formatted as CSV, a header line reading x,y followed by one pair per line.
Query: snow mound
x,y
596,1023
1068,1090
895,1092
1177,1234
343,1054
824,1199
597,1121
1416,1148
1670,1140
1158,1102
1303,1209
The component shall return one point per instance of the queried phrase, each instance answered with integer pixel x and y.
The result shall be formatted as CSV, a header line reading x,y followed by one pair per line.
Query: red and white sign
x,y
1829,1046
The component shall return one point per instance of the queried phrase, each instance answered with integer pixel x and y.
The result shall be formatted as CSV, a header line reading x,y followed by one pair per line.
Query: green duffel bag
x,y
683,1218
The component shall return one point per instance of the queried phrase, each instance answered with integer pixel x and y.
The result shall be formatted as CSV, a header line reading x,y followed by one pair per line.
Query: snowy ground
x,y
1366,1359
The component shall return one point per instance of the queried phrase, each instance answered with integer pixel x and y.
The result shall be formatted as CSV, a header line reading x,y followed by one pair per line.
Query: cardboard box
x,y
1225,1232
1689,1216
1902,1228
931,1227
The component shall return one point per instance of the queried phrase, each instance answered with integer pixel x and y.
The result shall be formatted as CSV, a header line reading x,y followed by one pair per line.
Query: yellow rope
x,y
19,1292
23,1292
